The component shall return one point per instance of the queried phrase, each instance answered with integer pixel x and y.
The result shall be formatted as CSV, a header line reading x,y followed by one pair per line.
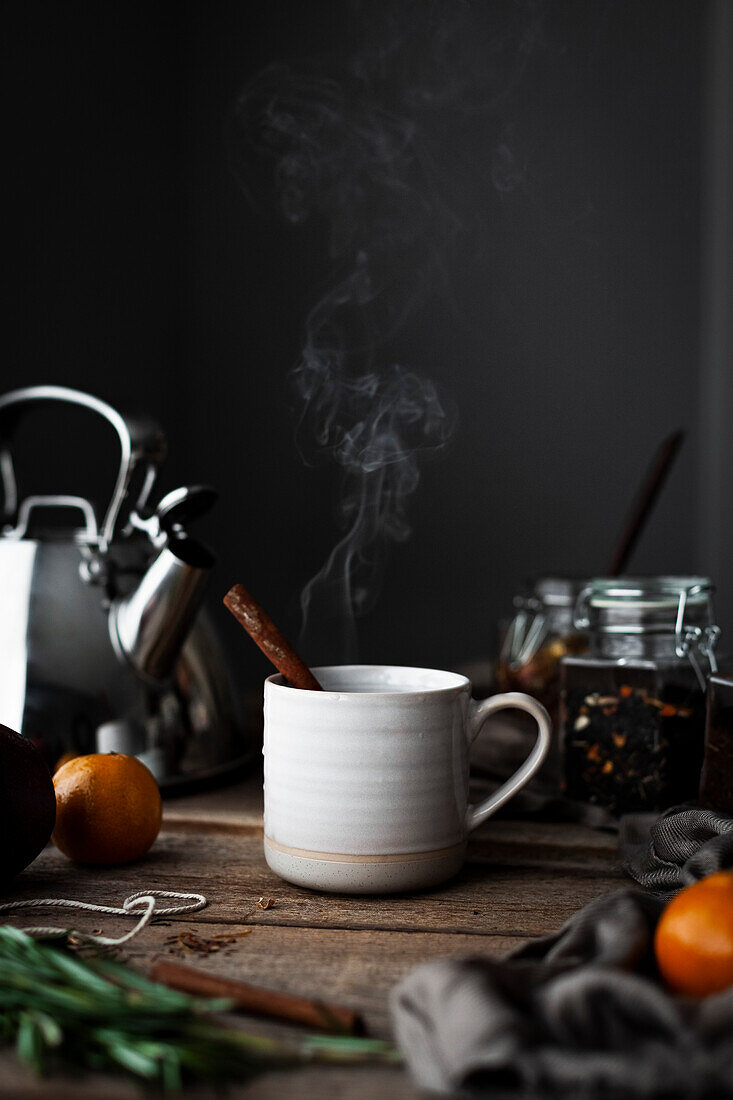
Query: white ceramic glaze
x,y
366,782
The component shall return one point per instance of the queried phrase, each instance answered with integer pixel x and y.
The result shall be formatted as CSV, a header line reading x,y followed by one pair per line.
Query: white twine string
x,y
144,900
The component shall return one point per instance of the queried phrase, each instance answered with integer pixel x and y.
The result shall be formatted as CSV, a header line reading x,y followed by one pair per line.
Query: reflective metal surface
x,y
150,625
103,646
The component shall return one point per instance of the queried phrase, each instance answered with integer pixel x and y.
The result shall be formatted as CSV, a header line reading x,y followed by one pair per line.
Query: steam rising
x,y
367,150
373,425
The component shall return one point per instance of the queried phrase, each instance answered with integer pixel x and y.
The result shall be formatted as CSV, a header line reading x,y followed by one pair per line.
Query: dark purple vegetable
x,y
27,803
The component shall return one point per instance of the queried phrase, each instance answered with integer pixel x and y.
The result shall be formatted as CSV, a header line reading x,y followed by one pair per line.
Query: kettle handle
x,y
141,440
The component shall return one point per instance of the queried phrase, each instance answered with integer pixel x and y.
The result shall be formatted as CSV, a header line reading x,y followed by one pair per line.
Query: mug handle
x,y
477,715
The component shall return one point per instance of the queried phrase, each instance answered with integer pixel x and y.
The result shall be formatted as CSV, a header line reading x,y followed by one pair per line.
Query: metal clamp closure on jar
x,y
678,607
545,608
526,632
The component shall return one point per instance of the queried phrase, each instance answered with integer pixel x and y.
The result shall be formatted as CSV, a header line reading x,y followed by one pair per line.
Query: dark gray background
x,y
568,335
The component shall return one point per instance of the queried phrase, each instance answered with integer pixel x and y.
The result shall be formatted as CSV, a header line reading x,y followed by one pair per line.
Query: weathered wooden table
x,y
521,880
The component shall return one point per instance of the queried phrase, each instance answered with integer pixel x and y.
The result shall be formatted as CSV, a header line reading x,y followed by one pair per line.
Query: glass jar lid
x,y
680,607
556,591
645,605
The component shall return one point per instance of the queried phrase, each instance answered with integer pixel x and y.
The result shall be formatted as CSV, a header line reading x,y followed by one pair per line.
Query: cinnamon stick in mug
x,y
271,641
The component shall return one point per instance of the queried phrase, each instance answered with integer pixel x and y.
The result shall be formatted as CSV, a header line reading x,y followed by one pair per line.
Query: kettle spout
x,y
149,626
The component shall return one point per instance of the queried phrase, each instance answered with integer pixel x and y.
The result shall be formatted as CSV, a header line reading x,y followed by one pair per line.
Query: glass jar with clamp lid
x,y
632,709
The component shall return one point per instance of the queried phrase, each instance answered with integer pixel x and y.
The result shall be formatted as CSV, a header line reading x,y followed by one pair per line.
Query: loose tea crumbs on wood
x,y
193,943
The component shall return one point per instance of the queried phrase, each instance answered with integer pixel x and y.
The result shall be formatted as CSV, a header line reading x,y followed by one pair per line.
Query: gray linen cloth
x,y
582,1009
669,852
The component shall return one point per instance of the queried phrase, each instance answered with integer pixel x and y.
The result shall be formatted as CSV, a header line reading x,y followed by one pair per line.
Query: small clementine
x,y
694,938
108,808
67,756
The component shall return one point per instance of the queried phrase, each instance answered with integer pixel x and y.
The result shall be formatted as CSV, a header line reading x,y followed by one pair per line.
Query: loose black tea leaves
x,y
632,749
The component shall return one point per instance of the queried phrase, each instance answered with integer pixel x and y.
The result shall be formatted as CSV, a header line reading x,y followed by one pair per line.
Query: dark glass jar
x,y
716,784
633,709
541,633
532,645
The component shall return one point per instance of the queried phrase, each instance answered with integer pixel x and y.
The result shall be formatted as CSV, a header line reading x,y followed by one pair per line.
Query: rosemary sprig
x,y
63,1011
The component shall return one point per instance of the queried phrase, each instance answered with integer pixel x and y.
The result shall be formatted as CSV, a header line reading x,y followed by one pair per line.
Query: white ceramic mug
x,y
366,782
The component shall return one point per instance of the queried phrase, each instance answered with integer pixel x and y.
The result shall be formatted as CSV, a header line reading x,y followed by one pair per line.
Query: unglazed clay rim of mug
x,y
453,682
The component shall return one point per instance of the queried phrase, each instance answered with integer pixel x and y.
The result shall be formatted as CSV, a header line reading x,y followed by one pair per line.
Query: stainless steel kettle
x,y
103,642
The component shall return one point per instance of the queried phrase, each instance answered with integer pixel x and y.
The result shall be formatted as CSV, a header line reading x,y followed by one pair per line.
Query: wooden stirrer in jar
x,y
644,503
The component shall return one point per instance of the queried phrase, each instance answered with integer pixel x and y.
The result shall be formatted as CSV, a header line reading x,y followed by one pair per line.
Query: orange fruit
x,y
108,808
67,756
694,937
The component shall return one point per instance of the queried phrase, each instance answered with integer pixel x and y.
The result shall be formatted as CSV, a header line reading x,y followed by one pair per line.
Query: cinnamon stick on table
x,y
260,1002
271,641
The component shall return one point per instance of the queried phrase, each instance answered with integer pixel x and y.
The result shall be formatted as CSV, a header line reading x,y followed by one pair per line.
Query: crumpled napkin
x,y
668,852
581,1010
573,1011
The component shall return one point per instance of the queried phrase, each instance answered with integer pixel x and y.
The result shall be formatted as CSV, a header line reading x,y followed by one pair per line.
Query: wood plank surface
x,y
308,1083
489,896
358,968
521,879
